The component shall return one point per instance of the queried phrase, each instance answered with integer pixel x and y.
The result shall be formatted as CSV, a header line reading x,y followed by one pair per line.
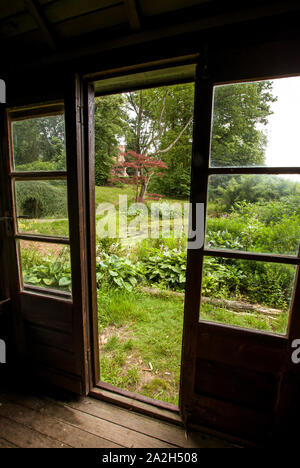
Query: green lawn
x,y
139,329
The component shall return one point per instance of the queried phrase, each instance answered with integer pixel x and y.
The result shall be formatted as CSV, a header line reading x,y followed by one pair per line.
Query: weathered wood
x,y
75,149
55,338
50,175
47,311
138,397
41,238
195,259
5,444
246,424
149,426
24,437
94,425
137,405
238,385
53,357
49,426
56,377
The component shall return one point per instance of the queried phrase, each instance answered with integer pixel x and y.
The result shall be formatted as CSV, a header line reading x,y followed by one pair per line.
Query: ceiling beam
x,y
36,11
133,14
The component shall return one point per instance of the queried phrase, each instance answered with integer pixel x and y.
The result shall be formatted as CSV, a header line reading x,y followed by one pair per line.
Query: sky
x,y
283,129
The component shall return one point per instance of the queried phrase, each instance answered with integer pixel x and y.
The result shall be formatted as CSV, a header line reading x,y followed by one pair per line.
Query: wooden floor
x,y
34,421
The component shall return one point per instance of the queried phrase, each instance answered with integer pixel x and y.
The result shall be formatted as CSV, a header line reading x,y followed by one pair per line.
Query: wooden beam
x,y
36,11
133,15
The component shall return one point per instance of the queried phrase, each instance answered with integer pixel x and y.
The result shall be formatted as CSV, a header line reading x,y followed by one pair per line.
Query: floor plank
x,y
28,420
94,425
50,427
5,444
164,431
24,437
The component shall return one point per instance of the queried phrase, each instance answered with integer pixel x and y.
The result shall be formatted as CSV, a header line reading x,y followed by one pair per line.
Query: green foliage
x,y
110,121
39,143
228,190
45,270
166,268
37,199
117,271
236,138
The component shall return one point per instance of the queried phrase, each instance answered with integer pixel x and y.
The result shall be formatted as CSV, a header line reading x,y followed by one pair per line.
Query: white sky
x,y
283,129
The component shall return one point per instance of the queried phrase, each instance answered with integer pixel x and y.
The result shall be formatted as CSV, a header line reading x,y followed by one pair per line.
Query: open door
x,y
43,186
243,287
141,122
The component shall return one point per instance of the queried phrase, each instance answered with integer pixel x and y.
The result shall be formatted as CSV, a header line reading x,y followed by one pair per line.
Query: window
x,y
253,220
39,186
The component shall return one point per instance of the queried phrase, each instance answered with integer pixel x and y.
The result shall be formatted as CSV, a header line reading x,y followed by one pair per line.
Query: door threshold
x,y
135,402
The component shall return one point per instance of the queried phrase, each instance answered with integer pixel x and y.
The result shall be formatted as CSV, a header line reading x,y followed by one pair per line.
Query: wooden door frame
x,y
100,389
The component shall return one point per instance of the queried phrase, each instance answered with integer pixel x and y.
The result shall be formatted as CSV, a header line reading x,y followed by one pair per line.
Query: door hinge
x,y
88,355
80,114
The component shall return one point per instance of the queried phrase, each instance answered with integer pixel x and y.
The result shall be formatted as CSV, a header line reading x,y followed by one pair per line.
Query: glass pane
x,y
42,207
45,265
256,213
39,144
256,124
247,294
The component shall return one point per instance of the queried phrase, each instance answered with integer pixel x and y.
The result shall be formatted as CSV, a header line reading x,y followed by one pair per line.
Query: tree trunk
x,y
143,191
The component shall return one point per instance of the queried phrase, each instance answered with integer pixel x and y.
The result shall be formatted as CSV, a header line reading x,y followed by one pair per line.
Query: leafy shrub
x,y
47,270
117,271
166,268
41,198
267,283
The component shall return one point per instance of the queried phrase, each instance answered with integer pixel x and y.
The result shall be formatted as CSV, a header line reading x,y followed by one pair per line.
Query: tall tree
x,y
110,123
240,113
160,125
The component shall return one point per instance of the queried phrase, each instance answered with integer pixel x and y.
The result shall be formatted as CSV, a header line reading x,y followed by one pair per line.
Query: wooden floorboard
x,y
166,432
51,427
24,437
5,444
27,420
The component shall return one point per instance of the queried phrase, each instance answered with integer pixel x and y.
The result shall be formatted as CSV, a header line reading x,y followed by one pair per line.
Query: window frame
x,y
19,114
208,171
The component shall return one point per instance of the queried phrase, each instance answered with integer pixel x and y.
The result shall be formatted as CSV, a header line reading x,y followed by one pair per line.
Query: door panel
x,y
234,380
52,322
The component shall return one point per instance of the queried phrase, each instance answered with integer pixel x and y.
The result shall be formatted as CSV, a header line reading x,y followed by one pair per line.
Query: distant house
x,y
121,159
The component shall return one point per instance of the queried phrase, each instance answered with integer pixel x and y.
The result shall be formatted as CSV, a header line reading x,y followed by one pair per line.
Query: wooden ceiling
x,y
40,28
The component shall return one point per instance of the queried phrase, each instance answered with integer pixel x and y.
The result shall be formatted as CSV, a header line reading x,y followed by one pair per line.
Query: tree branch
x,y
176,139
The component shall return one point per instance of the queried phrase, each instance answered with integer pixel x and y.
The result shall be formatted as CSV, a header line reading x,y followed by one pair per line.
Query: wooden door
x,y
239,381
44,167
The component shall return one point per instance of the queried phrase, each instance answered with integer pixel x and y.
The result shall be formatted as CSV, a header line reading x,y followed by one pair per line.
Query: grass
x,y
148,329
60,227
56,227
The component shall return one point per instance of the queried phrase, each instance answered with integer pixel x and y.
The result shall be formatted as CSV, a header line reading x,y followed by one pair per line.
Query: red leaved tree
x,y
141,169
